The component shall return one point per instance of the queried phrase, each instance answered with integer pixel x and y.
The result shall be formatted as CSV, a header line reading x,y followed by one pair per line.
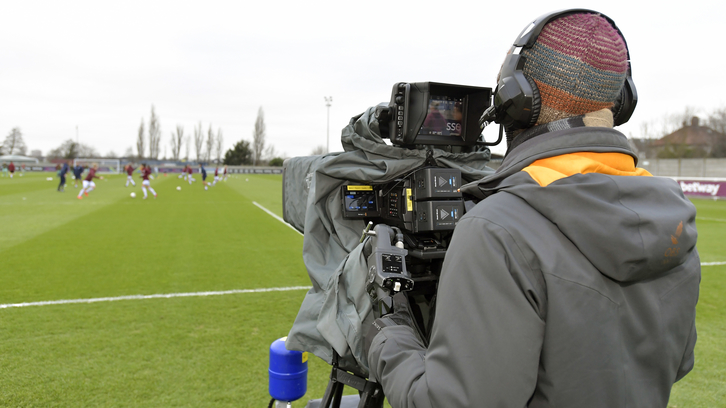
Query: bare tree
x,y
72,150
717,120
177,140
258,137
218,145
318,150
270,153
129,152
140,140
187,143
14,143
210,144
154,135
111,155
198,141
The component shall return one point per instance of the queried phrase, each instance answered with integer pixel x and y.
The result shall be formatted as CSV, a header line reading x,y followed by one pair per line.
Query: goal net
x,y
108,166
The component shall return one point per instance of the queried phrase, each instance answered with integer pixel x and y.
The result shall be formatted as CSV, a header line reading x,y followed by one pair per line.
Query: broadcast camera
x,y
406,219
423,206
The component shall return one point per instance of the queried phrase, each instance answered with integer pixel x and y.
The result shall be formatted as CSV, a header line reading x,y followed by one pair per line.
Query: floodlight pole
x,y
328,102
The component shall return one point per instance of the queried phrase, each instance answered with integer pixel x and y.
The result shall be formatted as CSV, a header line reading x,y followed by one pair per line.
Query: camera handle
x,y
371,393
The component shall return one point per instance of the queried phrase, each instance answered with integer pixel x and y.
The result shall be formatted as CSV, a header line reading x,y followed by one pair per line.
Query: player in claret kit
x,y
216,175
11,169
130,175
224,176
189,174
88,184
145,173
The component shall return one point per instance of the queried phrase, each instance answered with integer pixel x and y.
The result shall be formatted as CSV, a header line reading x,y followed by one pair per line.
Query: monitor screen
x,y
444,117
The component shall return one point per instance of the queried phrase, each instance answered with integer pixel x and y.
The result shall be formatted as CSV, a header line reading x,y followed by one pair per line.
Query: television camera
x,y
409,220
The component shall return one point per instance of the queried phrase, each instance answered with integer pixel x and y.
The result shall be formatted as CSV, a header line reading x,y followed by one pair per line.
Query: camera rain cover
x,y
337,310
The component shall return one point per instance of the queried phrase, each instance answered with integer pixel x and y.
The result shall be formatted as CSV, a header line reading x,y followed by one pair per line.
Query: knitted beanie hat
x,y
579,63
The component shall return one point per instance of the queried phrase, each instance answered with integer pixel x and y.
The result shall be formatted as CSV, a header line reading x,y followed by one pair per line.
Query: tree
x,y
140,141
111,155
239,154
319,150
258,137
177,140
72,150
198,141
270,153
154,135
210,144
129,152
717,122
276,162
67,150
187,143
14,143
218,146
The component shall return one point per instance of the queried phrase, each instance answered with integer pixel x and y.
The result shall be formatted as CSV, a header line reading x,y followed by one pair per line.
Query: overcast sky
x,y
100,66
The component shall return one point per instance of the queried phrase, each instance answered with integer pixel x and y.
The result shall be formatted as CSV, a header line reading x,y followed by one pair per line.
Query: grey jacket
x,y
581,293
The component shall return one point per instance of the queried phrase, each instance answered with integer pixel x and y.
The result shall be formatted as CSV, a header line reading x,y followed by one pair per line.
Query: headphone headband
x,y
528,36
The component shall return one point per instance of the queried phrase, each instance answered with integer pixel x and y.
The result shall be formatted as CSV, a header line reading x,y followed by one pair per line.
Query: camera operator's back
x,y
574,281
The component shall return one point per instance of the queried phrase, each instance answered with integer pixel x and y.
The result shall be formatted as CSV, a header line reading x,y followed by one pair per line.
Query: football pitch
x,y
113,301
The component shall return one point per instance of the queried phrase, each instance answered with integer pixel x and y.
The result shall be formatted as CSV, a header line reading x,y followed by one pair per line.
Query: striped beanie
x,y
579,63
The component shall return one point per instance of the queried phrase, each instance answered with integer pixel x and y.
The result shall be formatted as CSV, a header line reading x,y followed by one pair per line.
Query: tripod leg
x,y
372,396
333,395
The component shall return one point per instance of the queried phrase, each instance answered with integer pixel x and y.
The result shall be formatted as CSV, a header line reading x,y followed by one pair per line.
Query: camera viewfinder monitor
x,y
430,113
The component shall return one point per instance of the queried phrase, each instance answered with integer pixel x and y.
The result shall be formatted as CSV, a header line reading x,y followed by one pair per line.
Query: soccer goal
x,y
109,166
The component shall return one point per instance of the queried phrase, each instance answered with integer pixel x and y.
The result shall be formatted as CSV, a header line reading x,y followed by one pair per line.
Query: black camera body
x,y
427,200
432,113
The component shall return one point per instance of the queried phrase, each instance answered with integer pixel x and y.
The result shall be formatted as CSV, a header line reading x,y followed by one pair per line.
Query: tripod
x,y
371,393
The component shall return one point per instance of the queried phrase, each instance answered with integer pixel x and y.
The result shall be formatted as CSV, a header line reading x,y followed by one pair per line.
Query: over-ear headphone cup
x,y
536,102
625,103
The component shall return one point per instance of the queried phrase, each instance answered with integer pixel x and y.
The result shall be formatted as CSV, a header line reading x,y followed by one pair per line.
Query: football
x,y
133,195
178,188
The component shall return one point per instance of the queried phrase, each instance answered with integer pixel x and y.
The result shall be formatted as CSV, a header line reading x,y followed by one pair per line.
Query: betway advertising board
x,y
712,188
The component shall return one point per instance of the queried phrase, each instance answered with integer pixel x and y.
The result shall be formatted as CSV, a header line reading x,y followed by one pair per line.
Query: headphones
x,y
517,101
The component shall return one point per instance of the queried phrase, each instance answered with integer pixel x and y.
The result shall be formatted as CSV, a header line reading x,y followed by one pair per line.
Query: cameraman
x,y
574,282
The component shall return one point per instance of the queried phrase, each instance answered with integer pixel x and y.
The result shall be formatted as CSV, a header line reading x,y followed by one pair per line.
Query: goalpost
x,y
106,166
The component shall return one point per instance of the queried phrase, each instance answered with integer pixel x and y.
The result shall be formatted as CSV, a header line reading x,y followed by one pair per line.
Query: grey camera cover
x,y
337,310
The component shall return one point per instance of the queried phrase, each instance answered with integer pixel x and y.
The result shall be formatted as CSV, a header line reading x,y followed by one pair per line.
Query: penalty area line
x,y
275,216
157,296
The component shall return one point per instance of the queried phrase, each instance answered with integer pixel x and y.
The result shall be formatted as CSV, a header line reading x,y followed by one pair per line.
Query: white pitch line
x,y
710,219
189,294
157,296
276,217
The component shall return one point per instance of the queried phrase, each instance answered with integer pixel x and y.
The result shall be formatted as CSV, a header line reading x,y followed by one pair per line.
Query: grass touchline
x,y
276,217
156,296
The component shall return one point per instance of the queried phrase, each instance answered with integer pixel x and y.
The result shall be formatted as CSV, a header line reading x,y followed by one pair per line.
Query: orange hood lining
x,y
551,169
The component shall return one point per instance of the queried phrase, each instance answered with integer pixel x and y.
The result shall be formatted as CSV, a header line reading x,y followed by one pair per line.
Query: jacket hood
x,y
631,228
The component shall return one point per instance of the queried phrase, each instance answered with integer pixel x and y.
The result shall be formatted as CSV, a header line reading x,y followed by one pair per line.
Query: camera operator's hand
x,y
401,316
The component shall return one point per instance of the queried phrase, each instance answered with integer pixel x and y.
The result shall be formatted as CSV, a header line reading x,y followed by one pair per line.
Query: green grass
x,y
705,386
192,351
195,351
